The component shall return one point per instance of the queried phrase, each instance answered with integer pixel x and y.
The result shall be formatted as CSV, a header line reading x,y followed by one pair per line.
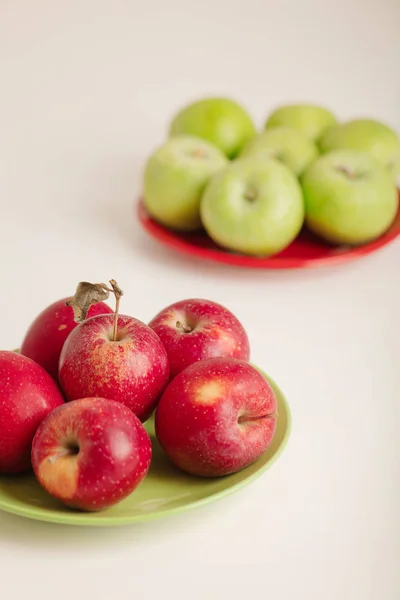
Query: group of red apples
x,y
74,399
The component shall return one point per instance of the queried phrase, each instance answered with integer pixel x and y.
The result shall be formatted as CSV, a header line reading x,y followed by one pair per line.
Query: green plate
x,y
164,491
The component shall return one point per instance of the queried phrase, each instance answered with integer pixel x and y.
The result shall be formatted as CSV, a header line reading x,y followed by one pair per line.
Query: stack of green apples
x,y
254,192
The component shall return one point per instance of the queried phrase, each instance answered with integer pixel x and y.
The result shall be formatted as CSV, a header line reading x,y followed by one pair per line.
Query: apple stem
x,y
199,153
347,172
117,293
184,328
251,194
61,454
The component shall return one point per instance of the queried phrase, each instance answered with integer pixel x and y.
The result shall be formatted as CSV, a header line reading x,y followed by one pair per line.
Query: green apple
x,y
175,177
349,196
368,135
218,120
289,146
253,207
312,120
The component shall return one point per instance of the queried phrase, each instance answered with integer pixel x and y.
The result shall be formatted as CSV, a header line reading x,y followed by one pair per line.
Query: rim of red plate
x,y
325,254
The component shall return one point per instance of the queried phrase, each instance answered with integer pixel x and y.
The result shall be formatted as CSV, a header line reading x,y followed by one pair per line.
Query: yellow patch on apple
x,y
60,475
209,392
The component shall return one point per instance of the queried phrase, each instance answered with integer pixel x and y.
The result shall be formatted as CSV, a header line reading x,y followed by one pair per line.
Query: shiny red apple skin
x,y
216,417
46,335
91,453
213,331
27,395
133,370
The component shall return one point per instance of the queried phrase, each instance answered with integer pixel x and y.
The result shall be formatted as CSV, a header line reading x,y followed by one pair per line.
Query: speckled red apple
x,y
46,335
91,453
216,417
133,369
27,395
195,329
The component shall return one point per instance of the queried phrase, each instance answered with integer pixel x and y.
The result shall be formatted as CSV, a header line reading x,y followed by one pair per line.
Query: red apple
x,y
27,395
132,370
216,417
193,330
91,453
45,337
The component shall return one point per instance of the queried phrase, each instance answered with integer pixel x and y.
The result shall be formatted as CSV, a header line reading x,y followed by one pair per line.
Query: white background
x,y
87,88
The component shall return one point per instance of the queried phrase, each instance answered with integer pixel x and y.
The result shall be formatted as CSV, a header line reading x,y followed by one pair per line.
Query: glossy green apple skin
x,y
367,135
174,179
253,207
311,120
349,196
289,146
220,121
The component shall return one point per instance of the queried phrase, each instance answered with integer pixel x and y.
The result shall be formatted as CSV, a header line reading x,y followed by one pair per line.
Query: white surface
x,y
87,88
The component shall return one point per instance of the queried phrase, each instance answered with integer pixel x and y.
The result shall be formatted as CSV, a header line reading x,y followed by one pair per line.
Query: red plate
x,y
305,252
